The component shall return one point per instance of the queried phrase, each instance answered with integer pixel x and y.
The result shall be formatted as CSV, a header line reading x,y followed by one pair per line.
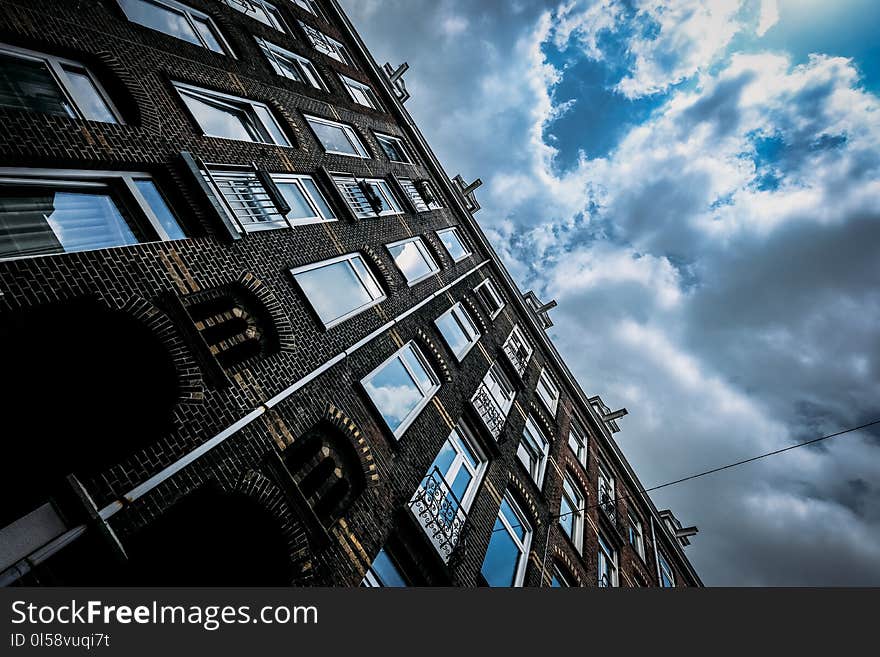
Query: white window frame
x,y
399,143
327,45
368,96
218,178
527,448
270,10
306,68
607,555
56,66
347,130
493,292
423,251
312,7
454,231
565,581
514,340
663,560
465,322
605,482
189,14
236,103
636,534
418,201
426,393
346,183
523,544
545,387
577,434
495,381
90,179
576,499
347,258
371,578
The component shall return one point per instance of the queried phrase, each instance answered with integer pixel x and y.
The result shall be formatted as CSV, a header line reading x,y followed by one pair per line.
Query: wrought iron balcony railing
x,y
439,512
518,357
488,410
608,506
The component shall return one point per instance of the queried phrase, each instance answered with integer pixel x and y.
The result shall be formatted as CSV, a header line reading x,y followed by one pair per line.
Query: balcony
x,y
488,411
608,506
439,512
518,357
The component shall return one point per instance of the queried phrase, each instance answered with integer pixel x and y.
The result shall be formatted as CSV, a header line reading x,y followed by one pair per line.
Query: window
x,y
250,206
548,391
518,350
488,294
421,194
383,572
401,387
571,512
413,259
368,197
312,7
667,578
458,330
42,83
177,20
506,557
290,65
361,93
577,441
231,117
394,148
445,495
337,138
560,578
532,451
44,212
606,492
494,398
453,244
330,47
339,288
261,10
607,563
636,537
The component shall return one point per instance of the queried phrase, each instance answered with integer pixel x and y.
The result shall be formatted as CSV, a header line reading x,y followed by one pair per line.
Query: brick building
x,y
252,333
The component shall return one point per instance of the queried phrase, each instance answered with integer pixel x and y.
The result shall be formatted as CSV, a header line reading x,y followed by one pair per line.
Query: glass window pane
x,y
444,459
502,558
161,18
566,519
451,331
333,138
367,278
423,377
160,208
271,125
219,121
28,84
207,32
385,570
411,261
300,208
513,518
333,290
88,98
453,244
460,485
394,393
36,222
318,198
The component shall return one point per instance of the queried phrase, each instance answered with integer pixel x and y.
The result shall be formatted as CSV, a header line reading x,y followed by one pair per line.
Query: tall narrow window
x,y
260,10
361,93
413,259
607,499
493,399
337,138
43,213
560,578
50,85
442,500
607,563
231,117
453,244
636,535
178,20
330,47
506,557
577,441
548,391
458,330
394,148
290,65
339,288
488,294
518,350
368,197
401,387
571,512
532,451
667,577
383,572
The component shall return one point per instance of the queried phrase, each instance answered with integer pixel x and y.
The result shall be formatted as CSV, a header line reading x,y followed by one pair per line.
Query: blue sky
x,y
697,182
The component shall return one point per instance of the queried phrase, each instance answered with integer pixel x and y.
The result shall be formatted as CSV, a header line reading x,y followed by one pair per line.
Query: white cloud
x,y
768,17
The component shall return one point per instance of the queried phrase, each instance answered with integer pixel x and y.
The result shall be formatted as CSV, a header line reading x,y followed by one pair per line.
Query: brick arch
x,y
433,355
476,312
377,264
562,558
526,500
437,250
537,412
190,381
274,311
140,104
362,447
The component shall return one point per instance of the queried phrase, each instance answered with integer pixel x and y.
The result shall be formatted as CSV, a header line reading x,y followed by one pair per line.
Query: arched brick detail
x,y
264,294
476,313
362,447
293,127
537,412
562,556
525,498
433,354
257,486
379,267
192,385
437,250
141,104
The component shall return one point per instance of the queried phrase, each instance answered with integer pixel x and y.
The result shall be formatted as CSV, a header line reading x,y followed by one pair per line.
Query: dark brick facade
x,y
230,427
